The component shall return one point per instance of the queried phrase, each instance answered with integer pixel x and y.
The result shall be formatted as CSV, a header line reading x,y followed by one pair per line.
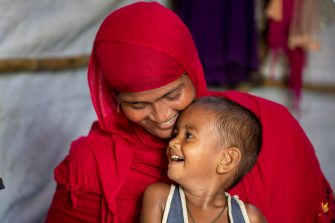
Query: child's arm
x,y
254,214
154,200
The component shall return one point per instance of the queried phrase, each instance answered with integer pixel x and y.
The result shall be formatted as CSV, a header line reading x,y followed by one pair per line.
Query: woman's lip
x,y
168,124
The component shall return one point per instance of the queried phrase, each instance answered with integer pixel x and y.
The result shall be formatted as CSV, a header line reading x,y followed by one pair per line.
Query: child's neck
x,y
205,198
206,207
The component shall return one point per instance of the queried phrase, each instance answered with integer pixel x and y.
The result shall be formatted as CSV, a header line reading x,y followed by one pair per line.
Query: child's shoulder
x,y
158,189
158,192
154,201
254,214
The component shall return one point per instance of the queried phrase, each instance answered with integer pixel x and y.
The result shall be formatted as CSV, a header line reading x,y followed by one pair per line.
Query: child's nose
x,y
173,144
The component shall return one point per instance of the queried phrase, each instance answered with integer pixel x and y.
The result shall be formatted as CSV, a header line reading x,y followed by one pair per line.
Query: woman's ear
x,y
228,160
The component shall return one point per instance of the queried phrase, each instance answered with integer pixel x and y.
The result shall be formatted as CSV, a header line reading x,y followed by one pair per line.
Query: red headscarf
x,y
139,47
134,52
144,46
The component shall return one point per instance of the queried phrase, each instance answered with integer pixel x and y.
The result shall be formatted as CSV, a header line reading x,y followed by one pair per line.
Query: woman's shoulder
x,y
249,98
84,146
258,105
81,161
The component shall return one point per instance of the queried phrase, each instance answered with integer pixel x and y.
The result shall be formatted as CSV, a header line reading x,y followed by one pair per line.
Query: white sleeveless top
x,y
176,211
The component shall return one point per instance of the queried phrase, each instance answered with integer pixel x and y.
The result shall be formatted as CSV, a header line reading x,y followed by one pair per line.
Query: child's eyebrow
x,y
189,127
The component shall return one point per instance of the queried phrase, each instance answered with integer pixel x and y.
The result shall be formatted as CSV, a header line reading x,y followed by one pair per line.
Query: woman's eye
x,y
138,106
172,97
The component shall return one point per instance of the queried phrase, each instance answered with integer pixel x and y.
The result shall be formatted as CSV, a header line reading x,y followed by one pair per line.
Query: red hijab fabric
x,y
144,46
140,47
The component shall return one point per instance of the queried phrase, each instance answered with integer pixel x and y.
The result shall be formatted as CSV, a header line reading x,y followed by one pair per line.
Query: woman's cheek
x,y
186,100
133,115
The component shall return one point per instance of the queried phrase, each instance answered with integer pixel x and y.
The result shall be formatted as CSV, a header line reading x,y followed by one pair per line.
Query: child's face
x,y
193,153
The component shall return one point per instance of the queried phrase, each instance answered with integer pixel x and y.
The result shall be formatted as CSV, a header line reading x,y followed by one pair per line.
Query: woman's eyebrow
x,y
173,90
179,87
134,102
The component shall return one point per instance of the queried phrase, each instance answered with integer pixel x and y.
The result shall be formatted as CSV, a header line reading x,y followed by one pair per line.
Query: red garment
x,y
103,177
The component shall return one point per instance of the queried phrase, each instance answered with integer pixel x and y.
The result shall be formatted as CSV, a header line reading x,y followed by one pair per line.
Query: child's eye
x,y
188,135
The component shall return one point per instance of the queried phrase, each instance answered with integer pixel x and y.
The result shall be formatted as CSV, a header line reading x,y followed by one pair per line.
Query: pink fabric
x,y
103,177
277,40
296,58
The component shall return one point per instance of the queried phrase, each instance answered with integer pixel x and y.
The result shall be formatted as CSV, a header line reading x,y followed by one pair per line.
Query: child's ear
x,y
228,160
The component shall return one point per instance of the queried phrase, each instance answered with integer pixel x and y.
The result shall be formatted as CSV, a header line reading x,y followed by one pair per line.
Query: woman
x,y
144,70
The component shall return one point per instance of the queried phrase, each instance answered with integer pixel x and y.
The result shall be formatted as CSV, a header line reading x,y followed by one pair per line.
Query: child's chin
x,y
172,176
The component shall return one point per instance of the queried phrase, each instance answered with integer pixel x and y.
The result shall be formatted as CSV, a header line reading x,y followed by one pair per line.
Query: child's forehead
x,y
200,121
197,114
197,108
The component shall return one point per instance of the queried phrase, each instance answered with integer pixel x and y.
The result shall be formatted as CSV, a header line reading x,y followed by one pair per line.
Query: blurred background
x,y
282,50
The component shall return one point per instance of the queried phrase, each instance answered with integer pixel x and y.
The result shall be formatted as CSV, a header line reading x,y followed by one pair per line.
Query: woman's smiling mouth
x,y
168,124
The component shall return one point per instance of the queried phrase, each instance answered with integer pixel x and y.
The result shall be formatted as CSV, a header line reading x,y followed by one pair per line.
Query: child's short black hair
x,y
238,127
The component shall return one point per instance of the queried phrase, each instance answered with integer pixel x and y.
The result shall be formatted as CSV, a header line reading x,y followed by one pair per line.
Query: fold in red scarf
x,y
144,46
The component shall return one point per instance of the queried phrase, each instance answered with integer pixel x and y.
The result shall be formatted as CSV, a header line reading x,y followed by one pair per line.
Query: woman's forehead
x,y
157,92
154,93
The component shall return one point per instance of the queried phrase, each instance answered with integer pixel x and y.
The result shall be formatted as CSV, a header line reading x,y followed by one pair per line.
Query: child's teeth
x,y
176,158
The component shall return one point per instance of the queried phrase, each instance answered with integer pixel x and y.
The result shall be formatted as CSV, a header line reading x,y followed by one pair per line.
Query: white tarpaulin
x,y
42,112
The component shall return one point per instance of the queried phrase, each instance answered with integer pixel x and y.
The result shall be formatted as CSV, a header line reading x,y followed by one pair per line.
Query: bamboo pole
x,y
42,64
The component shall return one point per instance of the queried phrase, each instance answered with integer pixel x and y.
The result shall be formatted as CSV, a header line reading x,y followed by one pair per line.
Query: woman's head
x,y
139,50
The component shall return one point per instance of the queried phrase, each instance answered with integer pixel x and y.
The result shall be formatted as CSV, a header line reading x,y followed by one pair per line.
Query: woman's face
x,y
157,110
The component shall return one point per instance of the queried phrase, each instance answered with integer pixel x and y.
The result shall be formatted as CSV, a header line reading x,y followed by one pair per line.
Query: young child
x,y
216,143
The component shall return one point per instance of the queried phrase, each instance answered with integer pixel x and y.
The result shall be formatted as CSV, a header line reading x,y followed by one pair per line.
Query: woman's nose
x,y
161,113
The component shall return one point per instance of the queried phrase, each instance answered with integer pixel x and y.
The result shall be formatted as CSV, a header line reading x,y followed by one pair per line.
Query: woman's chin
x,y
163,134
